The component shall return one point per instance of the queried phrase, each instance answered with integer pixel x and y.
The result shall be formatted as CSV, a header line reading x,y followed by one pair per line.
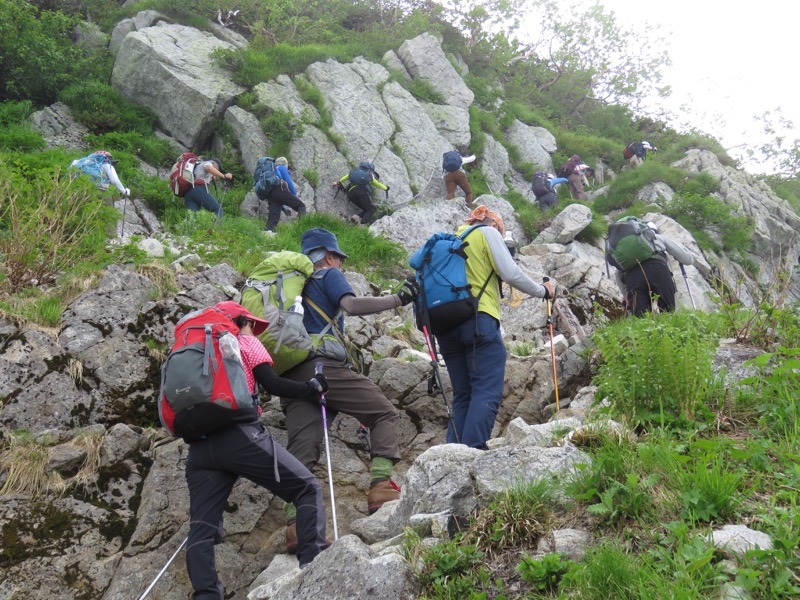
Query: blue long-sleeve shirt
x,y
283,173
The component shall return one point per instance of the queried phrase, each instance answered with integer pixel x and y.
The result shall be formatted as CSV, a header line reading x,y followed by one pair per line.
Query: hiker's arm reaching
x,y
285,388
367,305
111,173
507,268
467,159
678,252
379,184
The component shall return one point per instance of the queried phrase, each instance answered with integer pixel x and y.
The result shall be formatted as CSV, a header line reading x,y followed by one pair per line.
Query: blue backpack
x,y
362,174
445,300
91,165
264,176
451,161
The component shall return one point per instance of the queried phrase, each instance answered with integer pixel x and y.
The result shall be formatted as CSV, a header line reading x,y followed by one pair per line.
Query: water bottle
x,y
297,307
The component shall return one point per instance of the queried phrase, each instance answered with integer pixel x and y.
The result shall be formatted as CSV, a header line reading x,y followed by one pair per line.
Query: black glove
x,y
387,189
408,293
319,384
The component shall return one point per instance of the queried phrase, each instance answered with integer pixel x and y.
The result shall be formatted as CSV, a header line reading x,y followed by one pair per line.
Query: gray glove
x,y
408,292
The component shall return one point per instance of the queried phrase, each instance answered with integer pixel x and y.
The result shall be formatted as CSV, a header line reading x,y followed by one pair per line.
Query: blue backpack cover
x,y
90,165
451,161
445,299
264,176
362,174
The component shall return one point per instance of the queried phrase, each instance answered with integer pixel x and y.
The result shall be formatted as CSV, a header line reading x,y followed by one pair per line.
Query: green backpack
x,y
270,292
630,242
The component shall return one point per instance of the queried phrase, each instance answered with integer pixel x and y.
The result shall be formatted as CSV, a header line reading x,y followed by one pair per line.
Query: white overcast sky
x,y
731,60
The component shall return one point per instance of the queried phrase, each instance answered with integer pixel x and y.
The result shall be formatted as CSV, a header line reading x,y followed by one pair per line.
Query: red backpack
x,y
627,153
181,176
203,384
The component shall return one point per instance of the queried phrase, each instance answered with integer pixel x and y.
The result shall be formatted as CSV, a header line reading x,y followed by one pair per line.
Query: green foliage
x,y
37,55
47,226
103,109
623,189
708,489
15,132
609,571
544,573
424,91
707,215
280,127
656,369
625,500
313,96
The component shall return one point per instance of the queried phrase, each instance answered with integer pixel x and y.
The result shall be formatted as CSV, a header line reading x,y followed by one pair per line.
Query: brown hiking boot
x,y
380,491
291,538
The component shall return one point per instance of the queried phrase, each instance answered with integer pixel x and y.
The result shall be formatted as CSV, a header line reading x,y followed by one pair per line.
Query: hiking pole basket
x,y
688,289
163,570
124,212
318,371
552,346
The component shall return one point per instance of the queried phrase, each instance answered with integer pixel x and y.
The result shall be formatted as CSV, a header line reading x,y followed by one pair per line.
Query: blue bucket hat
x,y
317,238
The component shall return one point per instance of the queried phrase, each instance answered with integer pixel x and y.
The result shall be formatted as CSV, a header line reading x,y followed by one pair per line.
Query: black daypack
x,y
362,174
451,161
630,242
540,184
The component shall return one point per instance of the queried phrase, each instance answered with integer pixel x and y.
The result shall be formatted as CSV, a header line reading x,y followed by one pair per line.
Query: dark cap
x,y
218,161
317,238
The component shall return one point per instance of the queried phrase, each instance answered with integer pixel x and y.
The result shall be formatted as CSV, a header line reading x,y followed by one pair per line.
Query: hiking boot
x,y
355,219
291,538
380,491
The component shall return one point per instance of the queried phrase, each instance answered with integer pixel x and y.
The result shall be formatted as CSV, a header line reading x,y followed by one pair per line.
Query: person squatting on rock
x,y
573,171
358,185
350,393
198,196
247,449
458,178
652,279
473,352
282,195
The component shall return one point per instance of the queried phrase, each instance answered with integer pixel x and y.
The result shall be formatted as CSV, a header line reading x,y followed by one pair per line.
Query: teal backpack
x,y
92,167
630,242
264,177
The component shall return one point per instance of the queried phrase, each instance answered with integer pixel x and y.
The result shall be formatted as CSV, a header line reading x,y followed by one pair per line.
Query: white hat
x,y
646,145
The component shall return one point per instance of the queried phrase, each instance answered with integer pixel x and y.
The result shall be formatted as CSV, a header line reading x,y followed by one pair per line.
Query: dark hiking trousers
x,y
475,357
650,279
458,179
278,198
349,393
360,196
547,200
199,197
212,468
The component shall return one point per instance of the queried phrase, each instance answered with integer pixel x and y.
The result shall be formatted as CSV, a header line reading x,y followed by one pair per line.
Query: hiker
x,y
198,196
358,181
99,166
543,187
327,291
573,171
652,279
216,461
638,152
454,175
474,352
283,195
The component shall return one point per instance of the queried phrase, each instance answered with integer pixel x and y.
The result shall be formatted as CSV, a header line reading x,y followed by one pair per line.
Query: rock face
x,y
86,393
168,69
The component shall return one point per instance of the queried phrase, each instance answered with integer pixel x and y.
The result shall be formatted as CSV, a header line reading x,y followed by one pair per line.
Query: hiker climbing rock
x,y
99,167
227,442
282,195
327,296
543,186
573,170
640,256
454,175
636,152
198,196
358,185
473,351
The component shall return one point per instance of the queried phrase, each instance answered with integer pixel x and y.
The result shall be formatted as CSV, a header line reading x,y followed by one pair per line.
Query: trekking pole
x,y
436,381
162,571
688,289
552,346
363,431
318,371
124,211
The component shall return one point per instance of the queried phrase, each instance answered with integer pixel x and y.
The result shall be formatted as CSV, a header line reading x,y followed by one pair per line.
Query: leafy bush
x,y
15,131
704,214
48,226
656,369
103,109
544,573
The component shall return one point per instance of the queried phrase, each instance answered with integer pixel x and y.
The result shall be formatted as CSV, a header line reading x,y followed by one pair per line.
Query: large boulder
x,y
168,68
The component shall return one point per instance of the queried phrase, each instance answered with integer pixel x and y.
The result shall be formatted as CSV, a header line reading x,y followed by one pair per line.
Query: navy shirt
x,y
325,288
